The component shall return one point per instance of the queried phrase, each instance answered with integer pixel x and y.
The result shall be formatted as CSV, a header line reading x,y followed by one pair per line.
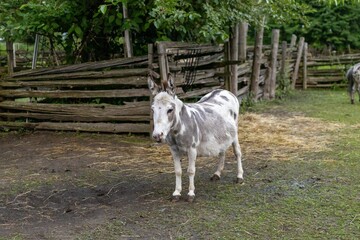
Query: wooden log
x,y
10,57
273,63
89,66
326,79
254,85
87,75
127,41
297,63
234,45
283,58
91,82
163,63
134,108
227,71
78,117
304,77
76,93
81,127
243,41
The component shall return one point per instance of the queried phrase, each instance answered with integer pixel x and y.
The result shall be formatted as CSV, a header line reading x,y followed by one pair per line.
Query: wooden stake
x,y
273,62
305,66
254,83
297,63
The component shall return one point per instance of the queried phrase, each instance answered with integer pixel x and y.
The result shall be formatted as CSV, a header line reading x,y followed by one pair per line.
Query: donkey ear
x,y
170,88
153,87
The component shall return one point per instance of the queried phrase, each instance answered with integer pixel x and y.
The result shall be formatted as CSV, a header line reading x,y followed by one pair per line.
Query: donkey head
x,y
163,107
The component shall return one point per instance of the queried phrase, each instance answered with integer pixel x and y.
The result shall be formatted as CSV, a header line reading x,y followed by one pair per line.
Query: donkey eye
x,y
170,111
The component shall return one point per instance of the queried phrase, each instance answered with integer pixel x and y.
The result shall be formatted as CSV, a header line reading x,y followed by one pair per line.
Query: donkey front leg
x,y
178,172
191,171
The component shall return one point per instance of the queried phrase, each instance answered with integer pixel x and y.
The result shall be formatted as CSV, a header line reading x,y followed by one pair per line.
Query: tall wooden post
x,y
36,50
163,65
10,57
150,66
234,46
293,41
128,46
227,67
297,63
273,62
243,41
283,58
305,66
254,81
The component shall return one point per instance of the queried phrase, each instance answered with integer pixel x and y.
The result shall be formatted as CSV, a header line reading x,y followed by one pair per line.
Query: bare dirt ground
x,y
59,185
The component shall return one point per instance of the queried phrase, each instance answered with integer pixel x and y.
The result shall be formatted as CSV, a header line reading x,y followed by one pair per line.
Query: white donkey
x,y
205,128
353,76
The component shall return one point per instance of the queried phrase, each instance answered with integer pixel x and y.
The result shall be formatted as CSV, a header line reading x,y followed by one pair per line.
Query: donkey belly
x,y
212,148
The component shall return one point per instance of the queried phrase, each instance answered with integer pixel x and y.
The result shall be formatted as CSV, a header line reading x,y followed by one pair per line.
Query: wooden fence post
x,y
227,67
305,66
234,46
254,81
273,62
163,65
150,66
283,58
36,50
243,30
10,57
293,41
128,47
297,63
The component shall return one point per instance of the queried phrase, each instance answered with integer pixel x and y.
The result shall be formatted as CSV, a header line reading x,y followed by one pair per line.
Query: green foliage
x,y
93,30
333,26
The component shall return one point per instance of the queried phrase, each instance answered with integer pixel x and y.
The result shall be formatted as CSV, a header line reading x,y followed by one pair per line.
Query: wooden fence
x,y
327,71
112,96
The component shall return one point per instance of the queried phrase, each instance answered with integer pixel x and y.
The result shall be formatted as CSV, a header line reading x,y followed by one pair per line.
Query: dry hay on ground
x,y
284,137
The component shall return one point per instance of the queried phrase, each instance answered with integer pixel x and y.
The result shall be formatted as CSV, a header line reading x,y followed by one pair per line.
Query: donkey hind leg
x,y
237,151
352,93
220,167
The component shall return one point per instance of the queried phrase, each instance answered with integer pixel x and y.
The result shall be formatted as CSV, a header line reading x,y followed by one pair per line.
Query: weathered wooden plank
x,y
326,79
91,82
74,118
87,110
141,92
87,75
82,127
85,66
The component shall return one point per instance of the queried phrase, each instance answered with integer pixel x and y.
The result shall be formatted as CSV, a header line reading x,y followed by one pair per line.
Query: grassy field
x,y
301,162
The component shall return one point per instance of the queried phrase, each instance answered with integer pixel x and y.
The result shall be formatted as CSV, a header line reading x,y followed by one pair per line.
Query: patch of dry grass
x,y
284,137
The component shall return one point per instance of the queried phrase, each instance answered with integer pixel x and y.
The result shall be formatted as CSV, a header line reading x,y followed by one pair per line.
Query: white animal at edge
x,y
205,128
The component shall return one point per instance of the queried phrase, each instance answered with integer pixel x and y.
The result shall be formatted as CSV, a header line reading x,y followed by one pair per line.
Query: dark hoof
x,y
215,178
239,180
175,198
352,101
191,199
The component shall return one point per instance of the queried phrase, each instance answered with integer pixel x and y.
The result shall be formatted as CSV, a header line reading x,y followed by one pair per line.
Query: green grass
x,y
316,198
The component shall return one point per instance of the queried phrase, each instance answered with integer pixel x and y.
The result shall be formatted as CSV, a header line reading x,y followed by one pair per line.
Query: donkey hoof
x,y
175,198
191,199
239,180
215,177
352,101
